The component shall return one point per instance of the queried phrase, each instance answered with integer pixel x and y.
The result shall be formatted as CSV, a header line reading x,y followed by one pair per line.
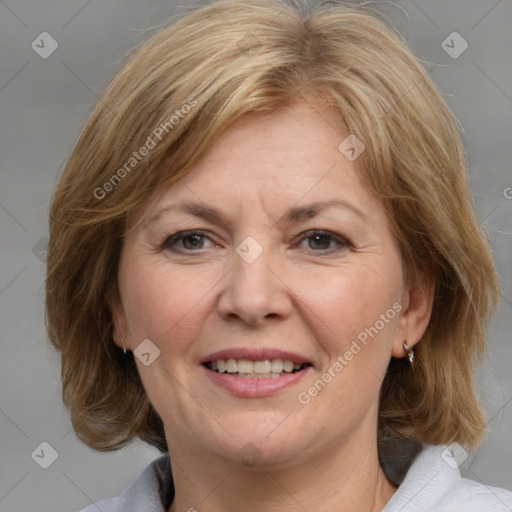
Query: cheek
x,y
163,304
355,305
354,322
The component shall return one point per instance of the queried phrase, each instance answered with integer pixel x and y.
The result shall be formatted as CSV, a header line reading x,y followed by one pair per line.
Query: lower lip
x,y
255,388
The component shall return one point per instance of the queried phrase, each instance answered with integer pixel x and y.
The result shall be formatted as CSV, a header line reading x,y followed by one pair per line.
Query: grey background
x,y
43,106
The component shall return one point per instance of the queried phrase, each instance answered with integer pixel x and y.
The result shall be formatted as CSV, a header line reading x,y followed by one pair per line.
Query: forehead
x,y
284,149
272,162
297,139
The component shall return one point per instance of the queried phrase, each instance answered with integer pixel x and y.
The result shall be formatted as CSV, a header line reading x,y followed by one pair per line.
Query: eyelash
x,y
343,243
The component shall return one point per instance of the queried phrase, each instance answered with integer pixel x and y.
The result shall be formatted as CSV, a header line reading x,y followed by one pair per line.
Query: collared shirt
x,y
432,484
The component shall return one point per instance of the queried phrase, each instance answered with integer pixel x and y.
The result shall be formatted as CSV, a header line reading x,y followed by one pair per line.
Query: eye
x,y
194,241
324,241
191,241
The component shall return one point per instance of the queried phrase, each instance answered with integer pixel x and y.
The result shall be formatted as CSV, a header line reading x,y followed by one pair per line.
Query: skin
x,y
305,295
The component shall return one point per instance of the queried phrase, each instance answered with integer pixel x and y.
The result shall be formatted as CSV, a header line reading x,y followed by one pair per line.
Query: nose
x,y
255,293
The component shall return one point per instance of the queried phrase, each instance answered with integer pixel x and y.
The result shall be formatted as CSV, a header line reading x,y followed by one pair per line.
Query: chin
x,y
263,440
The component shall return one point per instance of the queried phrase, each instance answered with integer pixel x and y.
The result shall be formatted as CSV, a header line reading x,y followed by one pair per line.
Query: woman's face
x,y
302,323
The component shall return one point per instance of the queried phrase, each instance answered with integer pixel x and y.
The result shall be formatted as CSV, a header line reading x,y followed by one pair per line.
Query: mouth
x,y
255,372
259,369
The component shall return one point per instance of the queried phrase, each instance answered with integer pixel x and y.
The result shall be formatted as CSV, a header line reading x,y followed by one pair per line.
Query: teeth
x,y
277,365
231,366
261,366
245,366
270,375
288,366
264,369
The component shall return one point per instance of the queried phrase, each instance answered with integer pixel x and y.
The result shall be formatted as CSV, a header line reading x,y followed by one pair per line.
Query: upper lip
x,y
255,354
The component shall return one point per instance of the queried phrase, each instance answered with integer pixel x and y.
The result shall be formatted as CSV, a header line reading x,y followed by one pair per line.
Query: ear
x,y
118,324
417,309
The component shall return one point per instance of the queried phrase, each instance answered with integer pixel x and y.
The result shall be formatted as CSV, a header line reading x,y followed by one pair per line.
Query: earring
x,y
124,346
410,353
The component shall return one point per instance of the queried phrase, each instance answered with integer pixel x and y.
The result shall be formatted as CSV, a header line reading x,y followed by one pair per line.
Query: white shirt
x,y
430,485
433,485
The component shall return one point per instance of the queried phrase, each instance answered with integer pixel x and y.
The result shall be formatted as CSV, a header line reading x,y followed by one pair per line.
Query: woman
x,y
264,261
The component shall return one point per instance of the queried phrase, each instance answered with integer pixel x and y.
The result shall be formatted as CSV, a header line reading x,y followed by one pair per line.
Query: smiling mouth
x,y
263,369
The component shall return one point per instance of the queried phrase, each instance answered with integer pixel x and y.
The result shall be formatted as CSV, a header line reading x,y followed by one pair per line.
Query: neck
x,y
339,478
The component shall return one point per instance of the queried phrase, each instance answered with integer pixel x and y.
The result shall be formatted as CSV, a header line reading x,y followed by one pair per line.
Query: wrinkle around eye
x,y
340,241
184,235
171,242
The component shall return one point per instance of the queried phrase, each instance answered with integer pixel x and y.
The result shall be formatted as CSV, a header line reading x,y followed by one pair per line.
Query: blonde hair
x,y
235,58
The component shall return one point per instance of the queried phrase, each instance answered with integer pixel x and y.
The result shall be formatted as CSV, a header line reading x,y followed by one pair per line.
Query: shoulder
x,y
433,482
151,491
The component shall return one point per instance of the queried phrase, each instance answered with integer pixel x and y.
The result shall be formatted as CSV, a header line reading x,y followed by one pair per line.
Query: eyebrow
x,y
292,215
